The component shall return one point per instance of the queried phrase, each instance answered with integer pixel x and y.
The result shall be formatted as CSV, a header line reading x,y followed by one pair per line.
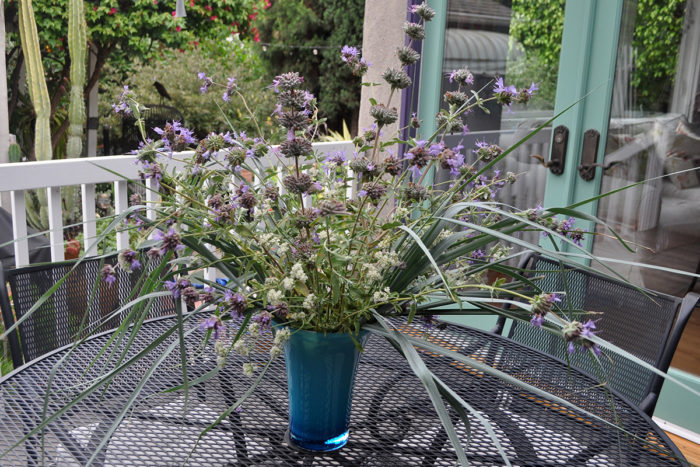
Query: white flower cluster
x,y
281,337
372,273
241,347
248,369
499,252
221,349
323,235
309,301
383,260
274,297
298,273
381,295
269,240
401,213
387,259
297,316
282,249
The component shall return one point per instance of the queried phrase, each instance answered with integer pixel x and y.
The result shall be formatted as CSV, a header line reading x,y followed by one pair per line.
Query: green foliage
x,y
140,28
119,31
537,25
657,32
177,72
328,23
15,152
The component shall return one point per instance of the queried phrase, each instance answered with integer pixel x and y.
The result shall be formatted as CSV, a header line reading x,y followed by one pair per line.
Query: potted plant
x,y
325,250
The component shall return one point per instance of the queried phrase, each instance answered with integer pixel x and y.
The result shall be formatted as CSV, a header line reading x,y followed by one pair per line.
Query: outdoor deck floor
x,y
690,450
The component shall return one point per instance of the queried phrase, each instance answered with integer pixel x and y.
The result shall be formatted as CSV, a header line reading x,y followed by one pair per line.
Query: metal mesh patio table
x,y
393,421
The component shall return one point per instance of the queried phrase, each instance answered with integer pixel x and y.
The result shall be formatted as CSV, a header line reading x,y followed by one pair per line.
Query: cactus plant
x,y
77,47
15,152
36,83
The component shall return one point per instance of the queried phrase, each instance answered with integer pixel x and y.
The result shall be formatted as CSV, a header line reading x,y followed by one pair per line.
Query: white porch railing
x,y
86,173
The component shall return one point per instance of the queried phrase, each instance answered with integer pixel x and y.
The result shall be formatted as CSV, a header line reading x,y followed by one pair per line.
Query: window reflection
x,y
654,134
521,43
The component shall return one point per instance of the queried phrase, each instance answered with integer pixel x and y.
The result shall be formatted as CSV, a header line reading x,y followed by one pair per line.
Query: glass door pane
x,y
654,130
520,41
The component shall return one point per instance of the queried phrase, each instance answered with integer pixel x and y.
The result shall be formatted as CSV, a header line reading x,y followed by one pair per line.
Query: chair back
x,y
82,305
642,322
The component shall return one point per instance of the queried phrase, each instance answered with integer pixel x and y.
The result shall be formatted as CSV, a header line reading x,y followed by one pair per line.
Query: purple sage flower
x,y
108,274
213,323
127,260
176,287
170,241
206,82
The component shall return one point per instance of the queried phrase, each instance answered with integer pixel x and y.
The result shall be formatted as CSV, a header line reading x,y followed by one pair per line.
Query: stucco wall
x,y
382,35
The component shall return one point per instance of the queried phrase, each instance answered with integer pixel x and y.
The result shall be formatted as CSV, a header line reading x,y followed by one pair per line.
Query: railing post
x,y
55,223
89,222
121,204
19,228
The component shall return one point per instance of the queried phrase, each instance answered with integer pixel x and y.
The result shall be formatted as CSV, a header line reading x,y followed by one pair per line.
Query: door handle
x,y
589,151
557,155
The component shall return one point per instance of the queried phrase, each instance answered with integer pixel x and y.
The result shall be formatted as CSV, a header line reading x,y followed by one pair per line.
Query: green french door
x,y
626,75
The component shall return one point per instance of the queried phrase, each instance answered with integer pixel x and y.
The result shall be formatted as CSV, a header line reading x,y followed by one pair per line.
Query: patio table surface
x,y
393,421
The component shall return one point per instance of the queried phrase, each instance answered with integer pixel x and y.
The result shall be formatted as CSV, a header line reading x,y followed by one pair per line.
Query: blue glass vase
x,y
320,376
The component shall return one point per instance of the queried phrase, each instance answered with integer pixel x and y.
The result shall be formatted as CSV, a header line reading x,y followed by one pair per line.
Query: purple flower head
x,y
576,236
315,187
348,53
415,172
351,56
213,323
127,260
235,303
151,171
436,149
170,241
423,10
207,296
175,137
541,305
581,333
122,107
536,320
108,274
476,255
462,77
526,94
263,318
504,94
588,329
230,88
176,287
428,321
287,81
333,161
568,224
206,82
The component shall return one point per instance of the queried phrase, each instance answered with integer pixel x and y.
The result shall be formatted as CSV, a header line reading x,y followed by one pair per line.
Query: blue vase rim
x,y
277,324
